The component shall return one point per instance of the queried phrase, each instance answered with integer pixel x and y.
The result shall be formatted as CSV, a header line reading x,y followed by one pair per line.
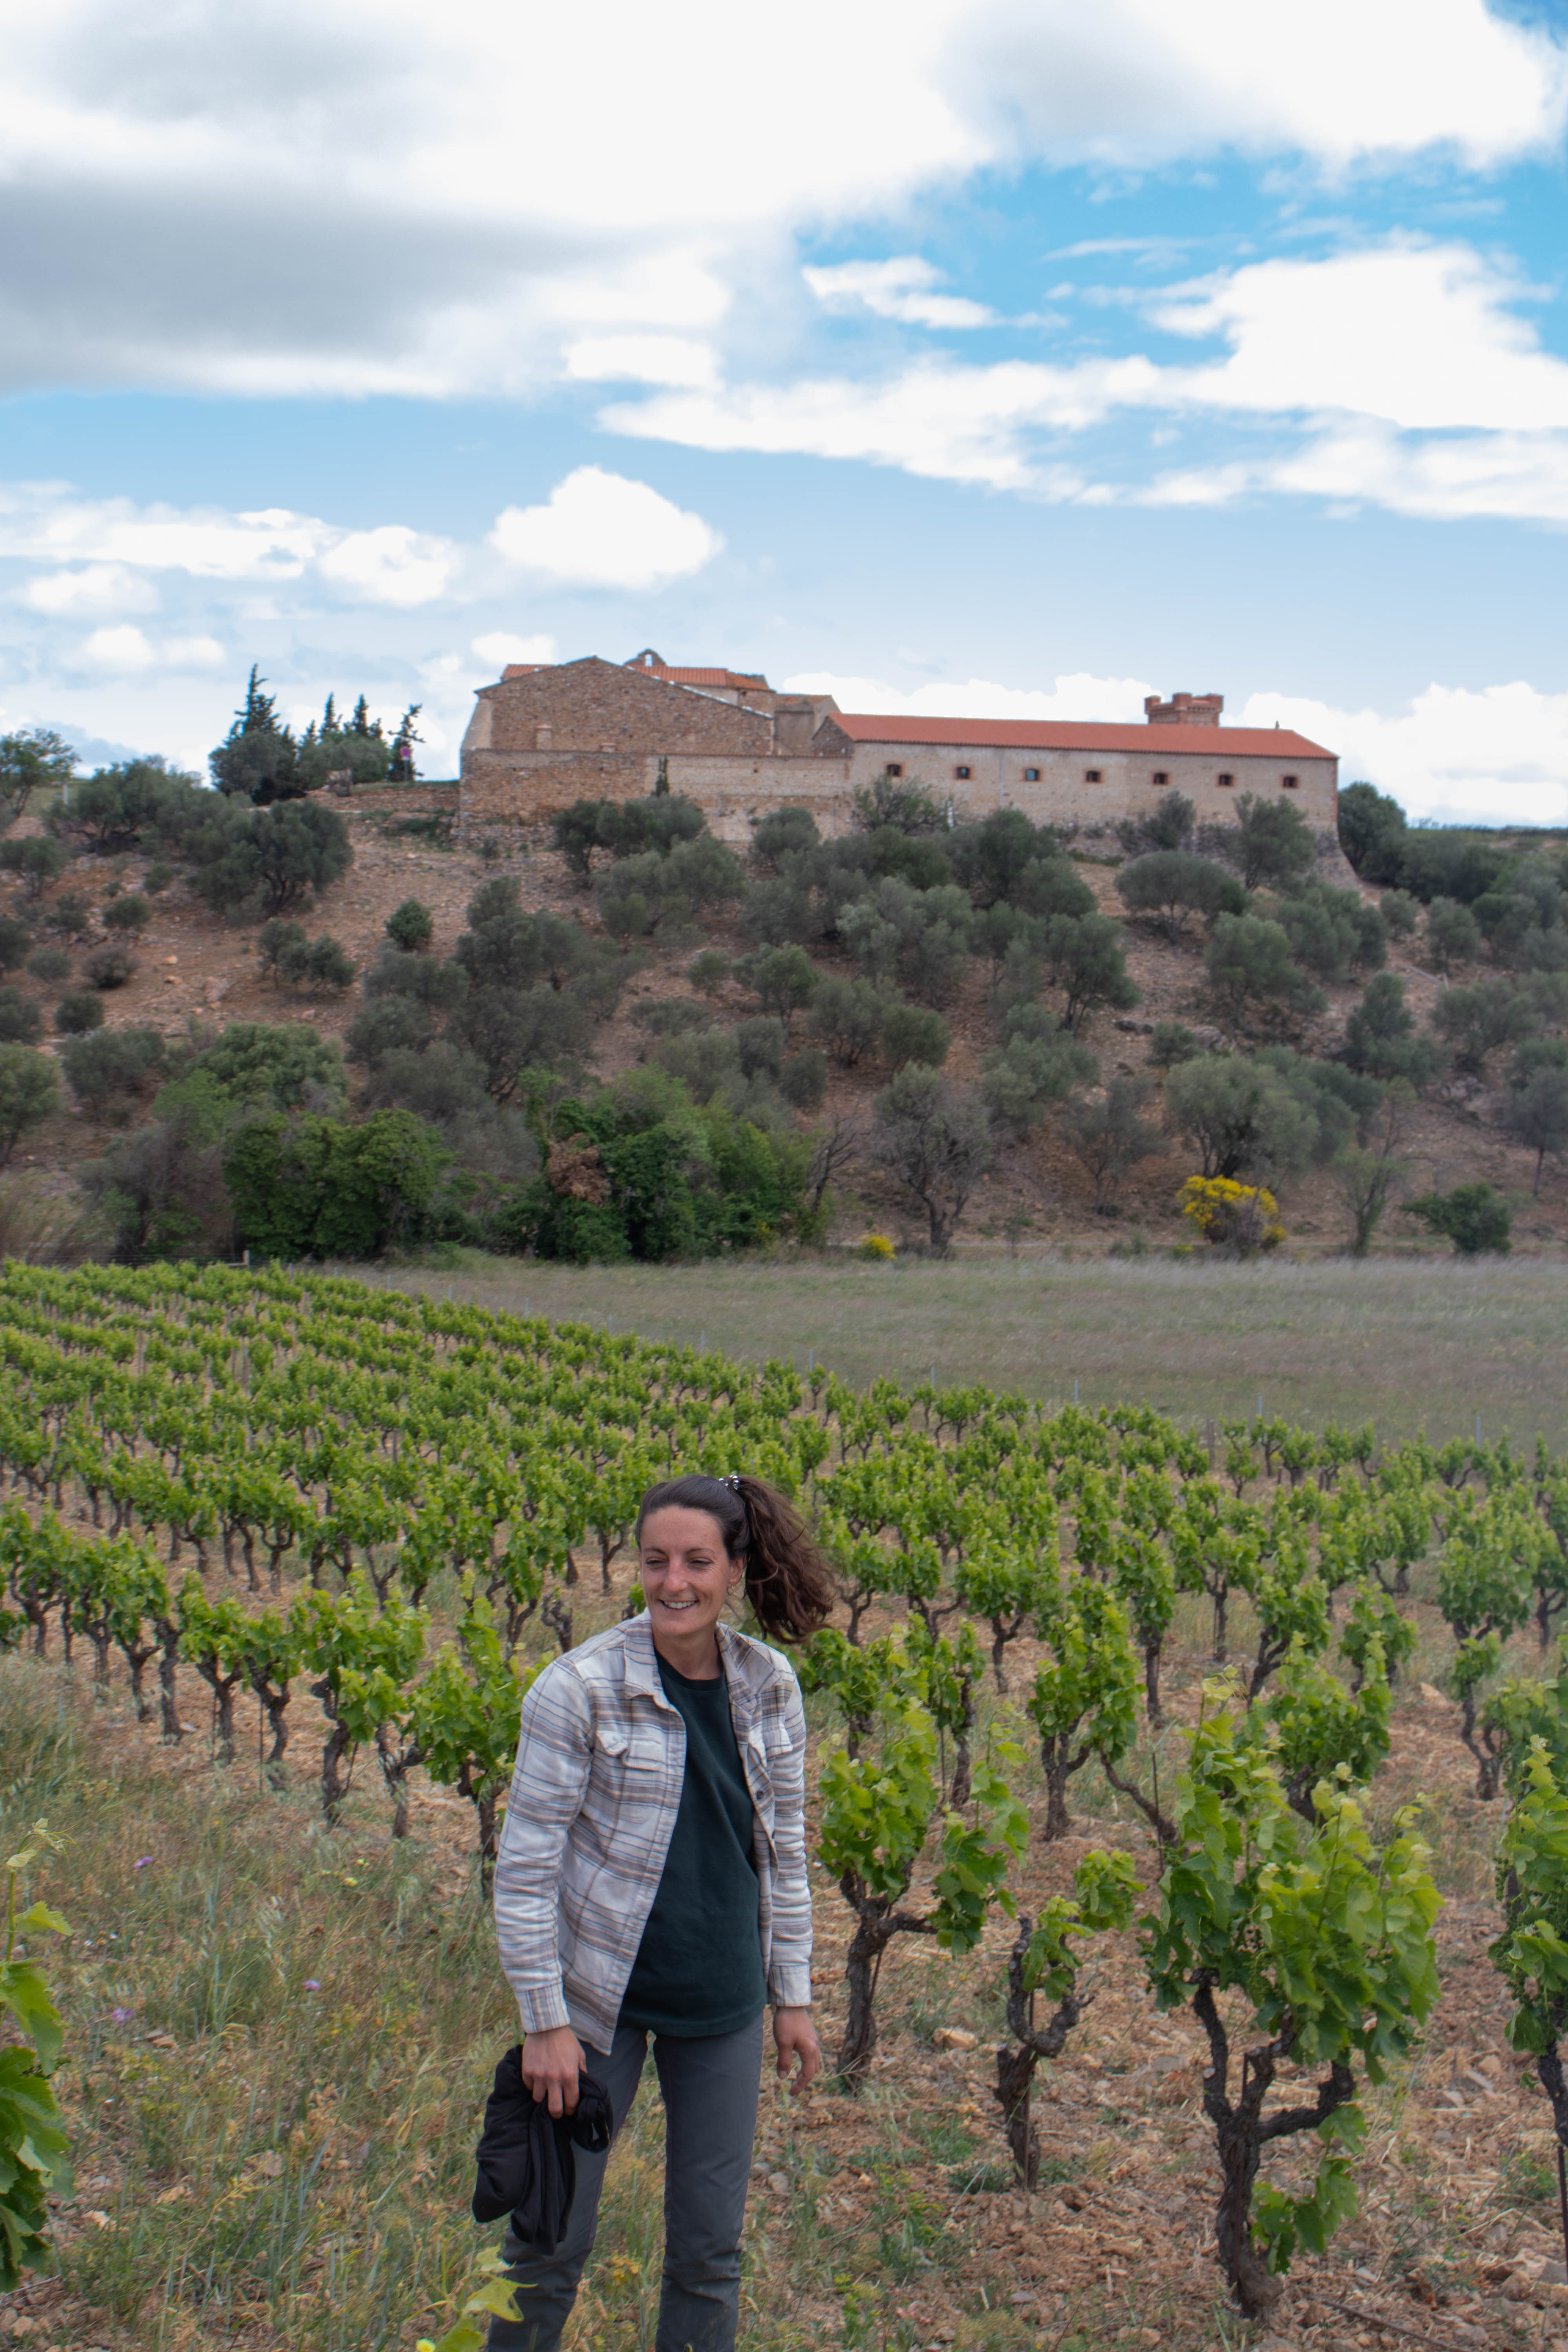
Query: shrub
x,y
69,916
1251,968
111,1063
1477,1021
160,1192
576,832
1371,832
1172,887
1536,1115
778,913
1472,1217
50,965
274,941
1334,932
392,1024
21,1023
760,1044
1381,1037
1452,934
1244,1117
672,1017
111,967
781,831
709,973
158,876
131,913
32,760
39,860
277,859
514,1029
849,1015
442,986
256,1067
316,1187
1272,843
933,1138
80,1013
1169,825
316,964
901,802
1037,1064
911,1033
1085,958
29,1094
783,981
878,1249
1239,1219
15,943
1401,913
1172,1042
1111,1135
411,927
660,824
803,1079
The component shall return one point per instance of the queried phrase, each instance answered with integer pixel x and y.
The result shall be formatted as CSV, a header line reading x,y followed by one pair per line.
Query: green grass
x,y
1405,1343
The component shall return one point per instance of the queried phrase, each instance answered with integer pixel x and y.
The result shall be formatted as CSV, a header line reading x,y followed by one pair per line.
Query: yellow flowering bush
x,y
1236,1217
879,1249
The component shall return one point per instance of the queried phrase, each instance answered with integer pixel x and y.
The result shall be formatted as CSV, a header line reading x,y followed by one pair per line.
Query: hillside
x,y
198,972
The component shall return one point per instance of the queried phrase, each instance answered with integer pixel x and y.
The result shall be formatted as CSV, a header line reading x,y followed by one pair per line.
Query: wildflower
x,y
311,1985
144,1861
121,2016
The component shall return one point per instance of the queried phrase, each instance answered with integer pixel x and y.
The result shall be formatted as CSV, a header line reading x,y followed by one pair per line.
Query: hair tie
x,y
731,1478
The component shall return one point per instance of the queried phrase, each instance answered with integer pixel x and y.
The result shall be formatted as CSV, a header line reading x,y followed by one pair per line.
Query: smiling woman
x,y
651,1881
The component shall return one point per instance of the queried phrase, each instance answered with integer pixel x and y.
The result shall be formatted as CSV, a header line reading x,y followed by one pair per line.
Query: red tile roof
x,y
1071,735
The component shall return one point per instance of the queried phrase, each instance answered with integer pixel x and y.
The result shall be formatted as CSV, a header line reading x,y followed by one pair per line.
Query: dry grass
x,y
273,2139
1405,1343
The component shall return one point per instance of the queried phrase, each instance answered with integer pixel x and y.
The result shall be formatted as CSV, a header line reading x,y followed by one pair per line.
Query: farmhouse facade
x,y
547,734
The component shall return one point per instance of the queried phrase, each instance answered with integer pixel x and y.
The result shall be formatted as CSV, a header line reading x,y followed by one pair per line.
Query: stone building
x,y
549,733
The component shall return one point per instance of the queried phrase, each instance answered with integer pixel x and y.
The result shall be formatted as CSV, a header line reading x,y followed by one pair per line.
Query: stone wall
x,y
1063,793
504,793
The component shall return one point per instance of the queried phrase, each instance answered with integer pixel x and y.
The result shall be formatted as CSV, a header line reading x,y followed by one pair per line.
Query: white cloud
x,y
96,588
1497,754
186,208
127,648
1113,700
642,359
499,646
1420,335
50,522
903,288
602,530
1367,351
392,565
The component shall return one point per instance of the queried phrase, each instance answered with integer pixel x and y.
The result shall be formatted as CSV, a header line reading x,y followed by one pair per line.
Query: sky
x,y
1016,358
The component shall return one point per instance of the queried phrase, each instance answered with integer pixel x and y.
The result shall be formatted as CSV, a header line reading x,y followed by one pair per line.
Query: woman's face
x,y
686,1572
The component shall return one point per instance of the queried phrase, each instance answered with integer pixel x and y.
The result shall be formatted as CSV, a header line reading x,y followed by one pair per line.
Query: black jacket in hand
x,y
527,2160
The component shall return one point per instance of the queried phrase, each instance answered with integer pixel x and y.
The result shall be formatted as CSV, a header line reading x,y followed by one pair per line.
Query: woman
x,y
651,1880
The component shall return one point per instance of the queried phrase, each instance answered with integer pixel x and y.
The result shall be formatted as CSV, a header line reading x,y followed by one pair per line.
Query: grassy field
x,y
1403,1343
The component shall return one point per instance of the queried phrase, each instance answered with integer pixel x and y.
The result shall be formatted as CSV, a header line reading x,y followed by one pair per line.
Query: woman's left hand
x,y
796,2037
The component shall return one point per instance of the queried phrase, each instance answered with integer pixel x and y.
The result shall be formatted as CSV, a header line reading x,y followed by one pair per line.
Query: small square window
x,y
1031,776
1161,776
1291,783
1225,780
1091,775
962,774
893,769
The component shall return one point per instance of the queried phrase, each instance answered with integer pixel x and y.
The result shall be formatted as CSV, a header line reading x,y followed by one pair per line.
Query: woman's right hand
x,y
551,2064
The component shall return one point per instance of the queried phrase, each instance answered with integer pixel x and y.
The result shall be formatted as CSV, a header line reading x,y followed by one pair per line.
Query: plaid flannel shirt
x,y
596,1788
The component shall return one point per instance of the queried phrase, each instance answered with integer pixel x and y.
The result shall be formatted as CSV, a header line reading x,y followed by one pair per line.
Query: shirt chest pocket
x,y
629,1761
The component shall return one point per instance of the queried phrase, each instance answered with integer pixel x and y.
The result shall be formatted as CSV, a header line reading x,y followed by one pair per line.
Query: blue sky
x,y
999,358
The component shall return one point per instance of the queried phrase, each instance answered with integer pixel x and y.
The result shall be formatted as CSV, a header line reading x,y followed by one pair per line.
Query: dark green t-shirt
x,y
699,1969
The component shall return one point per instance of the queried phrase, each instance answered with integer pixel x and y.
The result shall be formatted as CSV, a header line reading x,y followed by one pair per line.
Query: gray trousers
x,y
709,2090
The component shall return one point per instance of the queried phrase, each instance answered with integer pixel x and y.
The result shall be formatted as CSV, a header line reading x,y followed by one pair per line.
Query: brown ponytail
x,y
787,1580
